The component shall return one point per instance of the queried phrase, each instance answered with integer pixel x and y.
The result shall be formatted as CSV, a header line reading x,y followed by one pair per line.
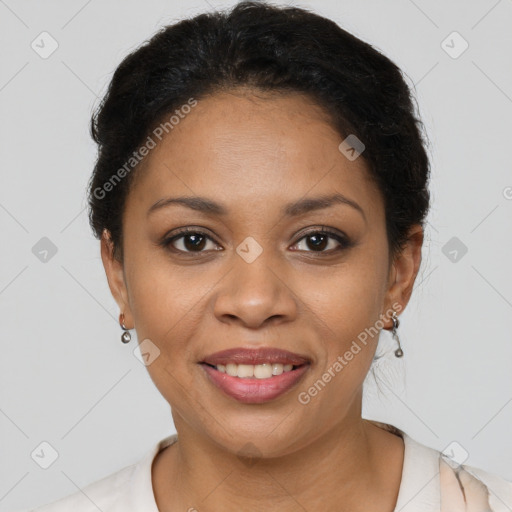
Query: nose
x,y
255,294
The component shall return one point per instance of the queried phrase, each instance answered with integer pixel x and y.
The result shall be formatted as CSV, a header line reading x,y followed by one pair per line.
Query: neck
x,y
347,466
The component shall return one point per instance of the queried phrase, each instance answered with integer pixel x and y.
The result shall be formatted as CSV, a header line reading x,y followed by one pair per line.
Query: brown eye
x,y
189,241
322,241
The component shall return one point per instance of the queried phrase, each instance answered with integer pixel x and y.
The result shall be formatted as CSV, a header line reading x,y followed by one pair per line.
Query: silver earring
x,y
398,352
126,336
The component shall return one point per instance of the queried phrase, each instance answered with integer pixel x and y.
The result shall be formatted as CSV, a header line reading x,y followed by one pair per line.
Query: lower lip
x,y
255,391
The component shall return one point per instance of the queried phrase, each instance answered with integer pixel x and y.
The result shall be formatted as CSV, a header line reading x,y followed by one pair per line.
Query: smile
x,y
259,371
254,376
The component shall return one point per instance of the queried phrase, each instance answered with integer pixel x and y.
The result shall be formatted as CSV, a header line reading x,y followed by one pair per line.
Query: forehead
x,y
252,148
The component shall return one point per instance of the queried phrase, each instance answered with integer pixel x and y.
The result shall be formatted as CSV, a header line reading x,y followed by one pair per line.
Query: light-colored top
x,y
430,483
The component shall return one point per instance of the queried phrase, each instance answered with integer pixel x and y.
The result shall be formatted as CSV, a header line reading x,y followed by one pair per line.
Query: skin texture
x,y
254,152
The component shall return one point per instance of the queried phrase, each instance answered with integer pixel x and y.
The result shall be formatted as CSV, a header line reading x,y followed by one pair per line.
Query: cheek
x,y
344,310
168,302
347,299
165,307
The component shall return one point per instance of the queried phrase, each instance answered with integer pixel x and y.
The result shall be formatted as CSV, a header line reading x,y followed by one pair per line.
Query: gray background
x,y
65,376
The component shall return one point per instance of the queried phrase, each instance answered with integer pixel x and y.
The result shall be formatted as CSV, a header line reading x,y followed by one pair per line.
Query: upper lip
x,y
255,356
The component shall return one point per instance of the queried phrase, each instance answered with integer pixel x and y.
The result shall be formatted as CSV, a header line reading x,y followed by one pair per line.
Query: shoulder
x,y
432,482
471,486
99,495
129,488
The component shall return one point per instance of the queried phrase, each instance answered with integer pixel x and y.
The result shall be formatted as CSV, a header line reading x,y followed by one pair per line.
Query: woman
x,y
260,195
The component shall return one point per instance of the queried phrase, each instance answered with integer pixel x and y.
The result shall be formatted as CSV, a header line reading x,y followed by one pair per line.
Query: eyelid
x,y
168,240
344,242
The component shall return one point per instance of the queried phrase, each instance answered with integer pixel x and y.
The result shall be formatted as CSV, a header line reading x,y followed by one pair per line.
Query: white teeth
x,y
259,371
263,371
232,369
277,369
245,370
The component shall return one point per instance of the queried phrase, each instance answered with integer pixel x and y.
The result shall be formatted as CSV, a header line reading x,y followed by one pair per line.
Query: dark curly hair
x,y
268,48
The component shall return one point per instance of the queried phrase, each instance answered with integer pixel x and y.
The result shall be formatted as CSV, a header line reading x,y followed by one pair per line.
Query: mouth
x,y
255,376
257,371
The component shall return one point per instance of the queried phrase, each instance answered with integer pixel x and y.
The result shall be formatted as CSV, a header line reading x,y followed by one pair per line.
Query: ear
x,y
402,275
115,277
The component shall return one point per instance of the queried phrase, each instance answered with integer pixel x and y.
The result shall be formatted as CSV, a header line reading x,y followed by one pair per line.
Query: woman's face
x,y
260,274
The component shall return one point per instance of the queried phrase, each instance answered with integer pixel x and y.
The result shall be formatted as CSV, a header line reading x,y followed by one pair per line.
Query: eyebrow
x,y
300,207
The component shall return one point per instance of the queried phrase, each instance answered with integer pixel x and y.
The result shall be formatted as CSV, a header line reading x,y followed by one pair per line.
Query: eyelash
x,y
344,241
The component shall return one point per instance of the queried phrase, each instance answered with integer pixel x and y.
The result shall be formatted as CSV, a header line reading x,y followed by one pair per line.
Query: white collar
x,y
140,494
419,488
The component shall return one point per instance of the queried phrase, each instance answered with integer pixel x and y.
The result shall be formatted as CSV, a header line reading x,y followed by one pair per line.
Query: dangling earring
x,y
126,336
398,352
